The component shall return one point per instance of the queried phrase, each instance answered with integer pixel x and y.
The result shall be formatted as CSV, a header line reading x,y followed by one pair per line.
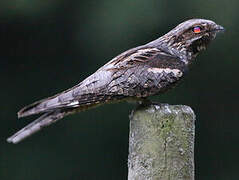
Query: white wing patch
x,y
176,72
140,52
72,104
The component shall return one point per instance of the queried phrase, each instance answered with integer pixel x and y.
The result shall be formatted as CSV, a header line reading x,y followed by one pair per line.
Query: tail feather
x,y
43,121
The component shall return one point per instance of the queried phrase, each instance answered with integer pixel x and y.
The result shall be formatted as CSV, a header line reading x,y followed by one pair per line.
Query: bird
x,y
134,75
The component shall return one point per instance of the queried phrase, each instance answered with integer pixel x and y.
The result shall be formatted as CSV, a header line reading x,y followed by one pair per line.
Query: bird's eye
x,y
197,29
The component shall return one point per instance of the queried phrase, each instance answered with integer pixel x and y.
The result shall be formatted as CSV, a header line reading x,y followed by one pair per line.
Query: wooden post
x,y
161,143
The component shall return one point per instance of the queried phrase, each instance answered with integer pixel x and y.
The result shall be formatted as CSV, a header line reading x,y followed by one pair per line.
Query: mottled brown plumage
x,y
135,74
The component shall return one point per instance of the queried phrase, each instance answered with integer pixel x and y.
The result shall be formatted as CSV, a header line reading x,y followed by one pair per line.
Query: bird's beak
x,y
219,28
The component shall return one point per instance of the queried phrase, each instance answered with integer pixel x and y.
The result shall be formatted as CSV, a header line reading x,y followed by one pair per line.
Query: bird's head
x,y
193,35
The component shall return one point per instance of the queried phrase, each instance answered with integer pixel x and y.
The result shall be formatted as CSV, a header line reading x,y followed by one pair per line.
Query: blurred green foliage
x,y
49,46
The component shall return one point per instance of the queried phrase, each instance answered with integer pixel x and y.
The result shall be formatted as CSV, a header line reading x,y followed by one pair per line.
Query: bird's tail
x,y
43,121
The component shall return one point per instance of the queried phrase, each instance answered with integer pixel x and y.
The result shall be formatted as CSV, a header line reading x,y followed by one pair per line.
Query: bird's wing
x,y
124,76
146,71
137,73
71,98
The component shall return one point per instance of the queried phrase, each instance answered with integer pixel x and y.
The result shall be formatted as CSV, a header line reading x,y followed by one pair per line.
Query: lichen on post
x,y
161,143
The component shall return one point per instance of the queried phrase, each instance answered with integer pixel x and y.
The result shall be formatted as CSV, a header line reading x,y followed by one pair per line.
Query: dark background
x,y
49,46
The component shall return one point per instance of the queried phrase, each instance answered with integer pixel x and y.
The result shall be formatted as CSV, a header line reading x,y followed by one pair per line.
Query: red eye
x,y
197,29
